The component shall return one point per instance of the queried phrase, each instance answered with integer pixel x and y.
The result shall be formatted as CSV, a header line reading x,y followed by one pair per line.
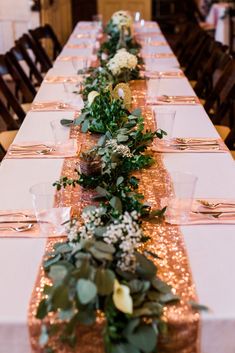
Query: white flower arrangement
x,y
91,219
120,149
127,234
122,60
122,18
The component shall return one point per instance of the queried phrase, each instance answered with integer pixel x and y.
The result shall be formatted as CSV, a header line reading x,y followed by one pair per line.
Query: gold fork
x,y
208,204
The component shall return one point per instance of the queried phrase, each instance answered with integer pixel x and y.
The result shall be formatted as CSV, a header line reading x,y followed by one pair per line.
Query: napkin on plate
x,y
172,100
39,150
26,218
205,145
207,215
56,106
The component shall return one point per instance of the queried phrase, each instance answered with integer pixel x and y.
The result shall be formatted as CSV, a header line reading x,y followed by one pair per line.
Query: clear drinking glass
x,y
179,203
71,90
164,120
60,132
79,64
49,217
153,89
97,20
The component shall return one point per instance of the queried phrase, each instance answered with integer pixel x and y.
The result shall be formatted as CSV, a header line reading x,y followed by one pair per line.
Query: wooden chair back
x,y
23,82
11,99
10,122
46,32
26,42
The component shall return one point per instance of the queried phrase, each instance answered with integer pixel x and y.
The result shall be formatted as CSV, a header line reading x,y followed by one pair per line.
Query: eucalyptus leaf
x,y
137,112
116,203
145,268
86,317
124,348
100,255
66,122
161,286
119,180
122,138
51,261
197,306
85,126
168,298
86,291
144,338
131,326
44,337
104,280
57,273
66,315
60,298
104,247
42,309
102,191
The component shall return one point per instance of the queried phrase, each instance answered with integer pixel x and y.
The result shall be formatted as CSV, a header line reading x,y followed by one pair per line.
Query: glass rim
x,y
42,193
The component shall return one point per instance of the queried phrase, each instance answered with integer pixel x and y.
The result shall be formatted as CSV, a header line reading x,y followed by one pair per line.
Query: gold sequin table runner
x,y
165,240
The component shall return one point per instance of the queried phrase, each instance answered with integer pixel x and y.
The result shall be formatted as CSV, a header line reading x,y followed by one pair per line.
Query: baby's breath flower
x,y
127,235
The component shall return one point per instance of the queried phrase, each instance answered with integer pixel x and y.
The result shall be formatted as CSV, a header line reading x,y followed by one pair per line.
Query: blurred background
x,y
17,16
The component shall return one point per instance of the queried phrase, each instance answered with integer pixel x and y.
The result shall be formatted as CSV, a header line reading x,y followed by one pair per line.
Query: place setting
x,y
172,100
163,74
48,106
44,220
164,119
61,147
182,208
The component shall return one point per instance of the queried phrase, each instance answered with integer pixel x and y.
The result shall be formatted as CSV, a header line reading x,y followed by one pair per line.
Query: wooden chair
x,y
27,43
2,153
6,138
9,121
220,103
34,73
22,81
46,32
211,69
190,44
12,102
232,30
200,53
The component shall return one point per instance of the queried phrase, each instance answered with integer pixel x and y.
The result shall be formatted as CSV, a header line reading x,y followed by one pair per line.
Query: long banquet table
x,y
210,248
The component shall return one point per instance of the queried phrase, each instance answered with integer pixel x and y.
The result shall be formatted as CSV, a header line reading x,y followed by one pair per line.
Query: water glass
x,y
79,64
97,20
71,90
179,203
49,217
164,120
153,89
60,132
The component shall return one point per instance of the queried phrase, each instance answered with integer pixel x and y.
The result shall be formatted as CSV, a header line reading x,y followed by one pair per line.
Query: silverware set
x,y
210,209
37,149
20,222
178,99
194,144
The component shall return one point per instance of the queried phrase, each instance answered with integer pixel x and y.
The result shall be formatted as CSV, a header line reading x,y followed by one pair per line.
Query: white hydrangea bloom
x,y
122,18
122,60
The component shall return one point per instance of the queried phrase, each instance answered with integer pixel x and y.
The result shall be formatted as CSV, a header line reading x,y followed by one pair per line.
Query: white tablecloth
x,y
219,18
210,248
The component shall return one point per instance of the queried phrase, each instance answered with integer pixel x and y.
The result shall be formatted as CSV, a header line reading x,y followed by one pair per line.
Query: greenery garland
x,y
99,268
